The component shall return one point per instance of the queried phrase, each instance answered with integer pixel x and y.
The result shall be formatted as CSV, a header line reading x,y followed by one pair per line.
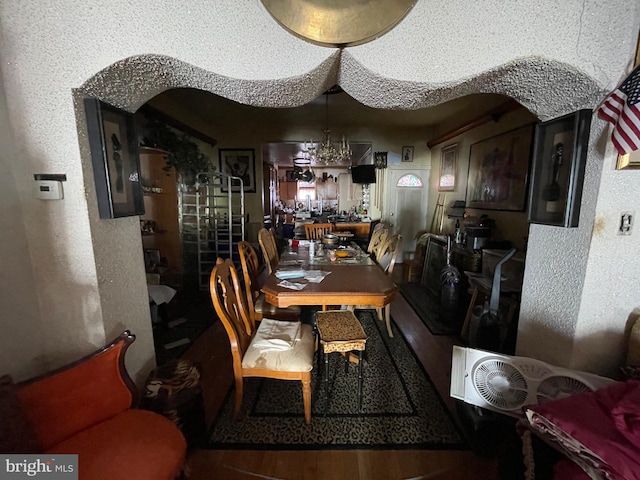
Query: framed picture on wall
x,y
498,171
557,174
629,160
289,175
241,163
152,260
114,155
448,165
407,154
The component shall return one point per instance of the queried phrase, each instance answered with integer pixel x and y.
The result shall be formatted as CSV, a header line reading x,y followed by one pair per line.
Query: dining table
x,y
354,279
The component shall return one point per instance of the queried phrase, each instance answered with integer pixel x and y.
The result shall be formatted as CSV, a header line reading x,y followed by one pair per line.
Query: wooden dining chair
x,y
249,358
387,254
269,247
378,239
412,267
387,257
315,231
258,306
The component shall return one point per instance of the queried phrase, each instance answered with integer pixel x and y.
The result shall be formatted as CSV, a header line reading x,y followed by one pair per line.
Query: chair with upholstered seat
x,y
387,254
255,298
378,239
279,350
315,231
269,247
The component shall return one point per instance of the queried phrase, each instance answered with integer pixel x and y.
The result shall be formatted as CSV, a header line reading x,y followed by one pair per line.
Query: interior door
x,y
407,204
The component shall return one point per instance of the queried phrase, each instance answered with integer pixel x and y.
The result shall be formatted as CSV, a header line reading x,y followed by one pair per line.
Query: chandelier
x,y
326,152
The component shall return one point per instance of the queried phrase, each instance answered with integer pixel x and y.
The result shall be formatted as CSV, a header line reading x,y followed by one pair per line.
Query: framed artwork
x,y
152,260
114,155
629,160
239,163
407,154
498,171
557,175
289,175
448,162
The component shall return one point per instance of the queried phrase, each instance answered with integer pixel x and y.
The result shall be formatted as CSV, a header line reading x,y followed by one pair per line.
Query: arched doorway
x,y
157,74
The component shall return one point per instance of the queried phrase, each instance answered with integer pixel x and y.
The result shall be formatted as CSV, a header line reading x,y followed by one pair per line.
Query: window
x,y
306,190
409,180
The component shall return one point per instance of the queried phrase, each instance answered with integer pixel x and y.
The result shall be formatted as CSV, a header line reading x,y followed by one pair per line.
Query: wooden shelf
x,y
161,208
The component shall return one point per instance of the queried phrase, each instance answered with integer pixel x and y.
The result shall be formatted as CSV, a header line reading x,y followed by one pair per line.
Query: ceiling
x,y
209,108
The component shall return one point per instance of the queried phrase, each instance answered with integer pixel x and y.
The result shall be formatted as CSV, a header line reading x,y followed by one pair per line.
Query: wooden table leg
x,y
360,367
318,355
387,318
326,382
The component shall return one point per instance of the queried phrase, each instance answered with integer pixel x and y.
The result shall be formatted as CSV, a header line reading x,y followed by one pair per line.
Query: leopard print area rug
x,y
400,408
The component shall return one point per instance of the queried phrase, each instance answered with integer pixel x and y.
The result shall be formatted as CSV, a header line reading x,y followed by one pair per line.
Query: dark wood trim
x,y
172,122
127,338
492,115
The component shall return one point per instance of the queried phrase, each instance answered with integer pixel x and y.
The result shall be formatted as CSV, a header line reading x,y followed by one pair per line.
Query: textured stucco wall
x,y
611,281
19,308
582,291
553,57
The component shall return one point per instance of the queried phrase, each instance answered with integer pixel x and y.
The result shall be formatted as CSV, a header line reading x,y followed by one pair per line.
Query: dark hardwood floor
x,y
211,351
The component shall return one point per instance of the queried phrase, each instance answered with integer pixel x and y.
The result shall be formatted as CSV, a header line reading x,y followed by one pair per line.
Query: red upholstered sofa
x,y
87,408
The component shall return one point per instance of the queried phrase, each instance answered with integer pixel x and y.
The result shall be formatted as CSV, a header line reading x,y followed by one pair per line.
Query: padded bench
x,y
87,408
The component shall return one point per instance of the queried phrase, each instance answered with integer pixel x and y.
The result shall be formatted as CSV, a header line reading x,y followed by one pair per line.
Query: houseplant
x,y
184,154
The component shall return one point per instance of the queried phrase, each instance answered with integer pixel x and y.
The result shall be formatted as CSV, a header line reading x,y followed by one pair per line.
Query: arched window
x,y
409,180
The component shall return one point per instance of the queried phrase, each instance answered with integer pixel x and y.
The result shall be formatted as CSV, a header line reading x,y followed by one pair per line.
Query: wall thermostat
x,y
49,187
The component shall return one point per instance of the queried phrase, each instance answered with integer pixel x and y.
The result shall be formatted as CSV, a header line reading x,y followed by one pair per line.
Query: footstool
x,y
340,331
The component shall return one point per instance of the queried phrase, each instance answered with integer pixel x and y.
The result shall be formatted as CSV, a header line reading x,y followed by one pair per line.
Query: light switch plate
x,y
626,223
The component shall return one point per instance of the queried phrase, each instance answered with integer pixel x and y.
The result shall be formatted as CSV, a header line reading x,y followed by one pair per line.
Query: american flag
x,y
622,109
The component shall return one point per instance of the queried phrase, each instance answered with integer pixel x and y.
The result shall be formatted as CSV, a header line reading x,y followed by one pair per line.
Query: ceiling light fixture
x,y
326,153
301,161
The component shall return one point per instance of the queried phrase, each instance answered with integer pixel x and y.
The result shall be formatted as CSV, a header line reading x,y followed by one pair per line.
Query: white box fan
x,y
506,383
